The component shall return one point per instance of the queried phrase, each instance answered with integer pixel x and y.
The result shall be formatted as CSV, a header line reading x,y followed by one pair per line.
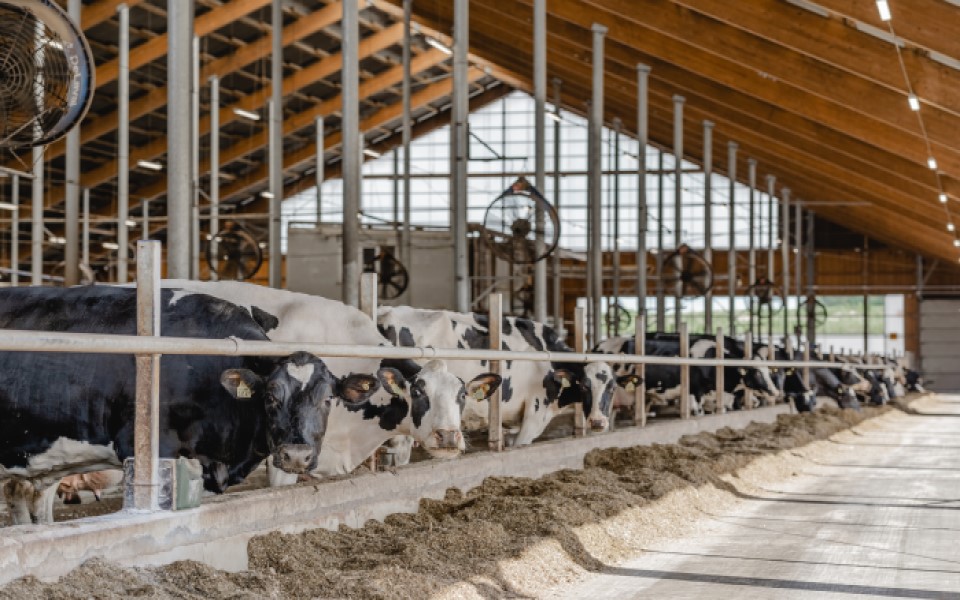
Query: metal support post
x,y
752,221
71,270
179,140
865,277
806,358
785,257
771,191
748,354
406,125
640,348
594,183
579,345
684,371
540,150
85,243
678,201
798,256
195,158
557,273
15,232
719,409
811,275
319,173
275,266
123,145
145,210
494,422
459,143
732,251
36,229
146,436
708,217
214,225
368,306
661,300
616,225
643,135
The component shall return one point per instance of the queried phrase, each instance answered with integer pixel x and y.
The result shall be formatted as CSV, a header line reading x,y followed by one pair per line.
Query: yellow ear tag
x,y
480,393
397,390
365,385
630,387
244,391
564,383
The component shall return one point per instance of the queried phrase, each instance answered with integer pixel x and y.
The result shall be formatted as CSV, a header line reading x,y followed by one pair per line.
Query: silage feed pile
x,y
510,537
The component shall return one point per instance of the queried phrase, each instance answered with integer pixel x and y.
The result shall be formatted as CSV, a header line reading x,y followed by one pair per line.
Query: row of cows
x,y
67,414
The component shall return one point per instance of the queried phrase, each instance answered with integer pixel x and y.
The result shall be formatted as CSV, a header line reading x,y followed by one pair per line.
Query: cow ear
x,y
435,365
241,383
357,388
563,377
392,381
629,382
483,386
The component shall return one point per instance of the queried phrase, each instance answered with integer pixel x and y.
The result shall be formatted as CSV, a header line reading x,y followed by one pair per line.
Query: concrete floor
x,y
881,521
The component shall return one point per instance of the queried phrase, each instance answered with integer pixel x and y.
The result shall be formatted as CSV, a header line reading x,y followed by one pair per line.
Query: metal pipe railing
x,y
17,340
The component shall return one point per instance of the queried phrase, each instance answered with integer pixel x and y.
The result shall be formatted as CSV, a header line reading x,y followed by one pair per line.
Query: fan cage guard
x,y
695,283
238,254
46,73
509,222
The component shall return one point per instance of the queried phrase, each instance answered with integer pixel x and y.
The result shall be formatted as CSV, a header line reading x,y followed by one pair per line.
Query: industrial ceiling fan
x,y
46,73
516,220
234,254
689,272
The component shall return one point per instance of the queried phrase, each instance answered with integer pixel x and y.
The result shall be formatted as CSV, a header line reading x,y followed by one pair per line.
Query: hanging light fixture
x,y
914,102
884,9
932,163
950,227
943,198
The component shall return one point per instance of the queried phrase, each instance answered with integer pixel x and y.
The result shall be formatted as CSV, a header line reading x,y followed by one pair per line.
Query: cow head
x,y
436,398
297,397
758,379
593,385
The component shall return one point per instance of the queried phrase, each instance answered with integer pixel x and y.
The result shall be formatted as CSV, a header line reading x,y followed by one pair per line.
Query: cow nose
x,y
447,438
598,424
295,458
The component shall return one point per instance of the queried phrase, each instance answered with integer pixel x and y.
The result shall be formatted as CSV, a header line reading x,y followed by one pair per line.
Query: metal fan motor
x,y
521,226
687,270
767,293
234,254
46,73
392,276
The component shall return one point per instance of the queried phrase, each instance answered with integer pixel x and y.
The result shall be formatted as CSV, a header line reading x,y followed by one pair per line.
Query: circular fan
x,y
392,276
617,318
515,220
46,73
767,293
819,312
238,255
687,268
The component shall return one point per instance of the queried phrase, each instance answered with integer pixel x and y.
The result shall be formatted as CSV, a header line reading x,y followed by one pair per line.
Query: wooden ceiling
x,y
818,101
815,93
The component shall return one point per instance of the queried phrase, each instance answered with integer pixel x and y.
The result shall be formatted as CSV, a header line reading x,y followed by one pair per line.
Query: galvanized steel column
x,y
643,137
752,221
785,257
639,348
595,214
71,271
678,101
85,247
708,217
459,145
179,141
36,229
494,419
146,440
15,232
405,134
214,226
771,190
617,124
732,251
661,302
540,151
811,274
557,288
319,173
276,142
123,145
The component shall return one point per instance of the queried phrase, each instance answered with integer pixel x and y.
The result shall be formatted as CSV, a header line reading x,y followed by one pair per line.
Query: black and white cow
x,y
663,381
790,380
425,403
66,413
827,381
533,392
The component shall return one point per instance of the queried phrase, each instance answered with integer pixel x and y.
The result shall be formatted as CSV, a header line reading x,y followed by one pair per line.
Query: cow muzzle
x,y
599,425
445,443
295,458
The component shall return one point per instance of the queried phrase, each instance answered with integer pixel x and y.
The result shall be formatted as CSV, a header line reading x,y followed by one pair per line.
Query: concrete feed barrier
x,y
217,532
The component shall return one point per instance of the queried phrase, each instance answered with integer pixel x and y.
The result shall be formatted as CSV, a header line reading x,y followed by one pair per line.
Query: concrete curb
x,y
217,532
